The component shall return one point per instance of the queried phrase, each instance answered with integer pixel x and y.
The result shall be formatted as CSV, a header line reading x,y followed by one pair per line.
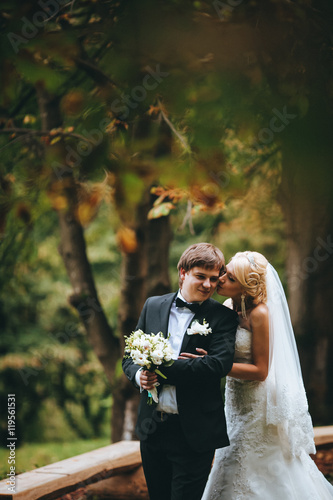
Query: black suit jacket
x,y
197,381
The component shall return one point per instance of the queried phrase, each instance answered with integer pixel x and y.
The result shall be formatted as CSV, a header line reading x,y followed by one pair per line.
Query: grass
x,y
33,455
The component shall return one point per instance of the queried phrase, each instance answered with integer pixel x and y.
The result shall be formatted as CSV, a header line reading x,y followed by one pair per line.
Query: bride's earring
x,y
243,309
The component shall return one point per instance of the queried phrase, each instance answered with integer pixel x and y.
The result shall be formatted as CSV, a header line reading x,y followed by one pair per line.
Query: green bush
x,y
60,394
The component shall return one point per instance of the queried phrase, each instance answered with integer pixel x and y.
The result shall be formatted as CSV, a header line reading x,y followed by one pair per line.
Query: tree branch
x,y
188,218
93,71
182,139
49,133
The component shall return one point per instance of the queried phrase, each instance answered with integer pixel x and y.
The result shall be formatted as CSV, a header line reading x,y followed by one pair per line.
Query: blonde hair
x,y
250,270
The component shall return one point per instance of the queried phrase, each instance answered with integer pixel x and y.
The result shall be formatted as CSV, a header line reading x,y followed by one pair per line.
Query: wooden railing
x,y
114,471
120,461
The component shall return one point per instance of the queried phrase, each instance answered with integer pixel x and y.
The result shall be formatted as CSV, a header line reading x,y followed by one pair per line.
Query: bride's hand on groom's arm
x,y
188,355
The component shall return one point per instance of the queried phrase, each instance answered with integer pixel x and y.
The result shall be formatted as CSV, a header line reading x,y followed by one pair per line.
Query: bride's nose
x,y
221,278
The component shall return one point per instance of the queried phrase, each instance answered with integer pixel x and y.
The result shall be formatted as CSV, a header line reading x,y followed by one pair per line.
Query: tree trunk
x,y
73,251
159,236
307,185
132,296
310,277
85,298
148,264
144,273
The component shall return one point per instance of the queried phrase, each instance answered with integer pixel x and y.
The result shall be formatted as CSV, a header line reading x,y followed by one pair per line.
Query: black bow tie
x,y
194,307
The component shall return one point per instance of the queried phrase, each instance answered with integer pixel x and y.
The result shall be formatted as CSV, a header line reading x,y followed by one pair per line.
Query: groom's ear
x,y
182,273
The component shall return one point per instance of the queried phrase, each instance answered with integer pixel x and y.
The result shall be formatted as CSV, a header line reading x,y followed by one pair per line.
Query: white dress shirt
x,y
179,320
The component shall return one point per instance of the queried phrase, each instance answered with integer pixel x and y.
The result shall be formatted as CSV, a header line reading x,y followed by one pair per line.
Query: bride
x,y
269,427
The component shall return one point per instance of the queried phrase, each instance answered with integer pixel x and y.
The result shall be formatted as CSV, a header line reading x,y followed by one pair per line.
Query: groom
x,y
179,435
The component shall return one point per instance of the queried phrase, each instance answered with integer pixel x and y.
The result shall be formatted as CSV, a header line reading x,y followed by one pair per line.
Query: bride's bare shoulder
x,y
259,314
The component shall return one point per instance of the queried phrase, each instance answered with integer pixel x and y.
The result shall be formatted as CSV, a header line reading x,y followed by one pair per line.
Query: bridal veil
x,y
287,406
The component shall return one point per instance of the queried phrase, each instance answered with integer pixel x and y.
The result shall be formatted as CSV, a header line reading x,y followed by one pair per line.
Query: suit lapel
x,y
164,313
199,317
186,340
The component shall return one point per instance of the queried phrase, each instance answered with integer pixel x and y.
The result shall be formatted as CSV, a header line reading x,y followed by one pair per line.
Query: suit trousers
x,y
172,469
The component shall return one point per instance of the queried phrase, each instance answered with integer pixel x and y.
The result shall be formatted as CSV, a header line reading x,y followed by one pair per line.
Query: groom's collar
x,y
179,294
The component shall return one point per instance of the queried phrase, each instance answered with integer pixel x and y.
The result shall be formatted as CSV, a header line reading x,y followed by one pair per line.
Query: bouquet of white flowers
x,y
150,352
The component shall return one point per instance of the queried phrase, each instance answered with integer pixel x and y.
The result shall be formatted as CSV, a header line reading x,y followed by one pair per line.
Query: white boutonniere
x,y
198,328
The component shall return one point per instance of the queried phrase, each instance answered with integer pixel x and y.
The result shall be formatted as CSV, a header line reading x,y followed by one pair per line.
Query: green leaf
x,y
160,210
160,373
33,71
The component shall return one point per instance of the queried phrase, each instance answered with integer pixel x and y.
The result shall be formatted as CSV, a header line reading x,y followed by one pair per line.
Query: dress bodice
x,y
256,465
243,342
243,346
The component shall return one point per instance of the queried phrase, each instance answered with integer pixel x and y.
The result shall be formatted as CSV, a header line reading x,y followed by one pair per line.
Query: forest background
x,y
128,131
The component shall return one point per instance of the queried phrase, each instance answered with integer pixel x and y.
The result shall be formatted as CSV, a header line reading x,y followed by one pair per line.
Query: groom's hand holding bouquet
x,y
150,352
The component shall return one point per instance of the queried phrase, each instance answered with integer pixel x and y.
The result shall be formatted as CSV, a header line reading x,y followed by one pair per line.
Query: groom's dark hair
x,y
201,255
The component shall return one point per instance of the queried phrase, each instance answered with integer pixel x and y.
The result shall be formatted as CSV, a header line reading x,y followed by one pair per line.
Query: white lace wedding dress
x,y
255,465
